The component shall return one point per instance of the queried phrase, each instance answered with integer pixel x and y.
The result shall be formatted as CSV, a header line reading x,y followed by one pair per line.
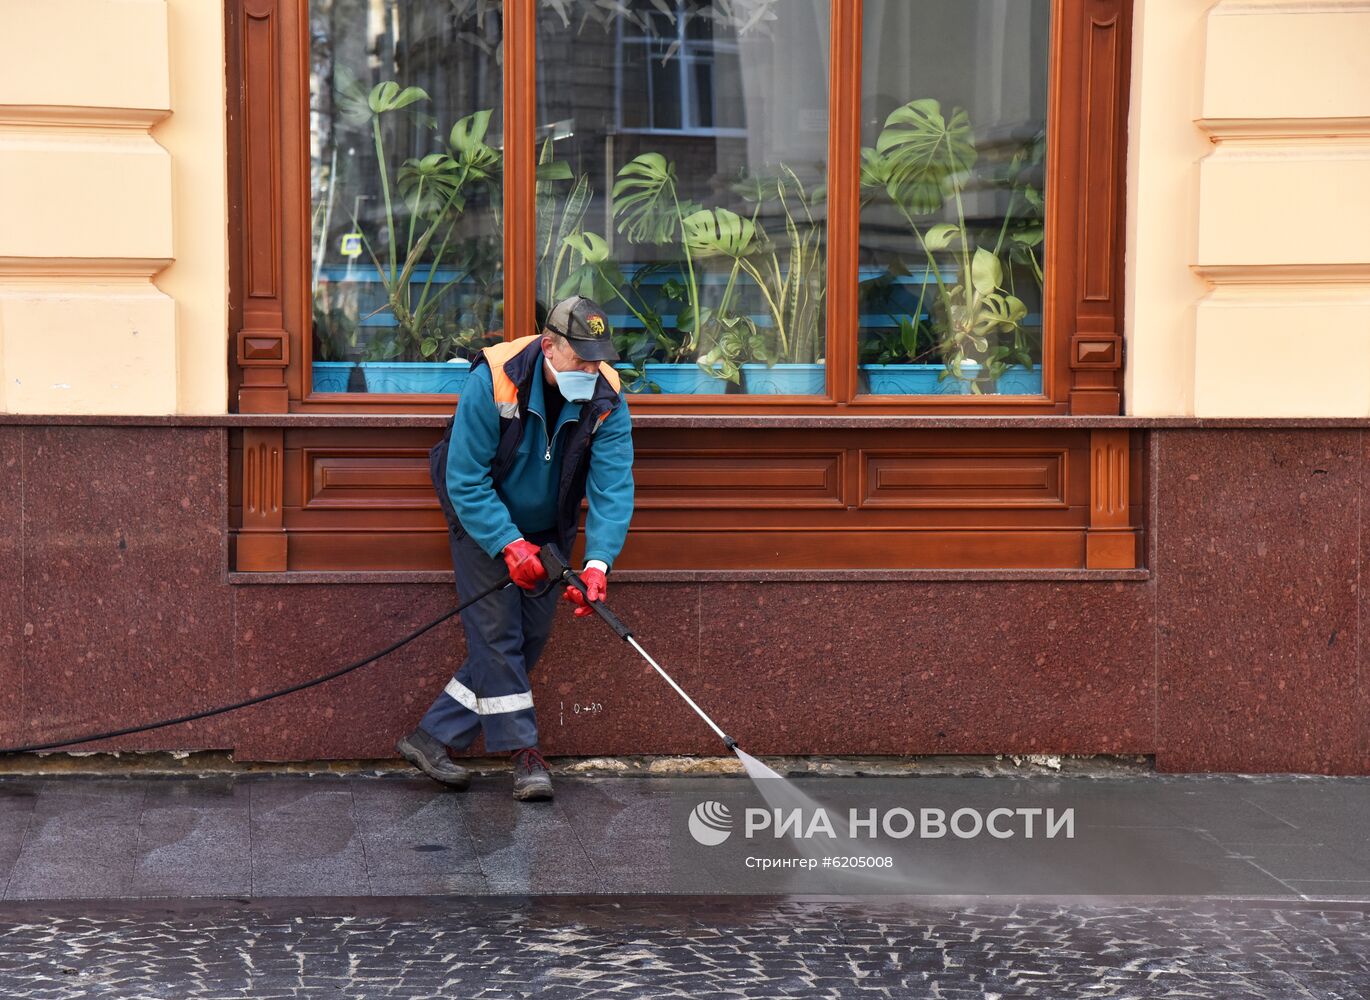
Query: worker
x,y
541,425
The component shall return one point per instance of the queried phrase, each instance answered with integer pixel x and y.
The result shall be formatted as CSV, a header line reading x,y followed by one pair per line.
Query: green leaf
x,y
556,170
437,174
926,154
875,169
597,277
941,235
350,97
387,96
718,232
469,131
985,271
592,247
467,140
645,200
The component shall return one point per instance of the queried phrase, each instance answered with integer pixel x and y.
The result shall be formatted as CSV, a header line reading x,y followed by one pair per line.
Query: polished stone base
x,y
1240,650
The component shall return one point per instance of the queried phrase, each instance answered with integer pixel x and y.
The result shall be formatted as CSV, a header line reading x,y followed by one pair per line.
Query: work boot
x,y
532,782
430,756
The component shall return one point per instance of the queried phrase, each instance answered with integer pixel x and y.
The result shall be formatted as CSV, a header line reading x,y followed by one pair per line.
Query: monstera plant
x,y
786,272
433,191
921,163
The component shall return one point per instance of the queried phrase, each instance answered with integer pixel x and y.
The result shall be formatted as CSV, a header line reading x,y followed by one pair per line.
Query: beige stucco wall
x,y
1248,251
1248,262
113,250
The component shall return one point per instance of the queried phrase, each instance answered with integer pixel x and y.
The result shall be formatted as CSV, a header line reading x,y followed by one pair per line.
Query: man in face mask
x,y
541,425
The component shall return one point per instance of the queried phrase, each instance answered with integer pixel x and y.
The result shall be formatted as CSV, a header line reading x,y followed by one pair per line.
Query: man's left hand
x,y
595,589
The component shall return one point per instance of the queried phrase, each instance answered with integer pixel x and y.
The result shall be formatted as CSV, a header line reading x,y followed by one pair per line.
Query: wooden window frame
x,y
338,483
271,311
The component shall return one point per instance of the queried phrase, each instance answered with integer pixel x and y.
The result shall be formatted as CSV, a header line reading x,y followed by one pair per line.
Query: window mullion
x,y
520,166
844,143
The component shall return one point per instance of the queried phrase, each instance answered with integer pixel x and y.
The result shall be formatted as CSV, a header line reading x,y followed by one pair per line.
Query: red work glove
x,y
595,589
525,568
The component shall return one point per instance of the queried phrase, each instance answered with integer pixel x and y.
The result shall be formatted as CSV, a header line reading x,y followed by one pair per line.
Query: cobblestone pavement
x,y
367,888
565,948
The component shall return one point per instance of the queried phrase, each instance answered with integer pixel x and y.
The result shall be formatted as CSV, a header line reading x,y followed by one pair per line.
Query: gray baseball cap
x,y
582,321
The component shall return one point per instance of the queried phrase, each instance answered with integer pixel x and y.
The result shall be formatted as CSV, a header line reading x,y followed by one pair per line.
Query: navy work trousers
x,y
505,633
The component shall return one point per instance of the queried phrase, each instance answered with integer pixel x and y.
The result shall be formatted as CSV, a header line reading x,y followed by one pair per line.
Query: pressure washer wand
x,y
557,569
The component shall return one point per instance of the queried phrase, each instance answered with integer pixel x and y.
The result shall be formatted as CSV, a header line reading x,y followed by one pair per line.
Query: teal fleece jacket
x,y
525,501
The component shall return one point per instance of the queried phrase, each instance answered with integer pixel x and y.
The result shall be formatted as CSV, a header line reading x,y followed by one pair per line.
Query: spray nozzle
x,y
730,743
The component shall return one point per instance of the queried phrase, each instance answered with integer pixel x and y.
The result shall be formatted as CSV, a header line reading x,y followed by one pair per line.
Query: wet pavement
x,y
265,835
367,887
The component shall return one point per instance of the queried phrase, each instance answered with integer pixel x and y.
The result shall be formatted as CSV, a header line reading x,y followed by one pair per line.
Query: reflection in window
x,y
672,69
681,183
952,184
406,161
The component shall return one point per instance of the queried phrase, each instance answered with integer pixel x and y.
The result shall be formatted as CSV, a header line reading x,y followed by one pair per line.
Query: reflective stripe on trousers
x,y
505,634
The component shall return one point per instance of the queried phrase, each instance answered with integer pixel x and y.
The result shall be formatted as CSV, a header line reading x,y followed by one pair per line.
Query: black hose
x,y
262,697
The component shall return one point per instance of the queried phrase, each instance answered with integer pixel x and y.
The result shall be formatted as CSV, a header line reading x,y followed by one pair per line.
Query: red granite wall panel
x,y
917,668
124,582
1363,622
288,634
11,583
1241,652
1257,570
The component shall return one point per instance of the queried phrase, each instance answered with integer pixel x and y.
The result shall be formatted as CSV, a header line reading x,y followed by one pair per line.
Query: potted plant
x,y
921,163
892,362
338,349
1020,240
648,209
783,355
418,257
781,352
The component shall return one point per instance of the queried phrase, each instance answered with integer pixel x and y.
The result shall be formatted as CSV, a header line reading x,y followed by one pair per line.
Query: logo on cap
x,y
596,325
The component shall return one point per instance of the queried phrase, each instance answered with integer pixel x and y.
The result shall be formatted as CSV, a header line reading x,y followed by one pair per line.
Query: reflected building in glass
x,y
682,150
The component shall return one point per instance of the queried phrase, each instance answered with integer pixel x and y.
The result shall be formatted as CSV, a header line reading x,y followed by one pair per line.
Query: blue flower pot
x,y
915,380
1020,382
332,376
784,380
394,376
684,380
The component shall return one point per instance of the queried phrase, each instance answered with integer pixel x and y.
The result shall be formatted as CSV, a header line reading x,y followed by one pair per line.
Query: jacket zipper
x,y
547,456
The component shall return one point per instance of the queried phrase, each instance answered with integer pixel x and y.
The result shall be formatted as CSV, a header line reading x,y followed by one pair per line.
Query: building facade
x,y
955,332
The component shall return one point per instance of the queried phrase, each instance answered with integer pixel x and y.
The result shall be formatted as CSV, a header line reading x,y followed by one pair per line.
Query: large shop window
x,y
763,214
857,210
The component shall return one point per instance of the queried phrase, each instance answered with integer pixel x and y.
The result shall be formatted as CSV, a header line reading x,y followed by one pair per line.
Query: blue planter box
x,y
1021,382
915,380
393,376
686,380
784,380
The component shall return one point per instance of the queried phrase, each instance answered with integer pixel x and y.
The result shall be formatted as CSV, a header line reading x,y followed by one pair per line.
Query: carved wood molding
x,y
262,540
1092,221
264,240
1112,541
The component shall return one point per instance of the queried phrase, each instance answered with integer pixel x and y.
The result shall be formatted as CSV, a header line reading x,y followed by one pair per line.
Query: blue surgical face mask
x,y
577,386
